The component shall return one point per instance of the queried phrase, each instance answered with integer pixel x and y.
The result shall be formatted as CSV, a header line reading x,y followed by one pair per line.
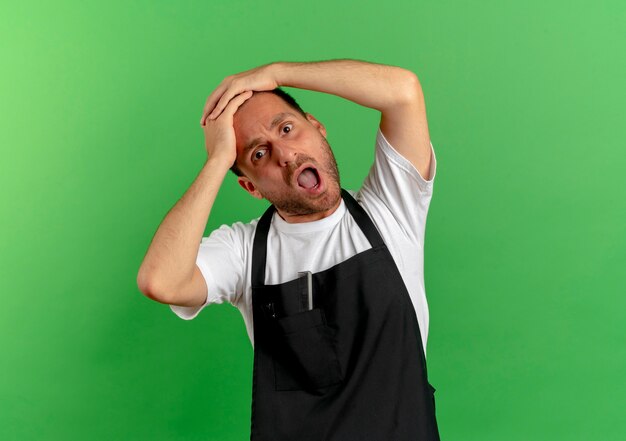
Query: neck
x,y
301,218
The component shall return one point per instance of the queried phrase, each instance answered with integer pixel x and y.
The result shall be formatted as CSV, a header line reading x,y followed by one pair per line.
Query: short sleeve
x,y
221,262
395,183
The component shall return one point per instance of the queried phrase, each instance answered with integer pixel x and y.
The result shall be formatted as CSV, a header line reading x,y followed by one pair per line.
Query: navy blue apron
x,y
352,367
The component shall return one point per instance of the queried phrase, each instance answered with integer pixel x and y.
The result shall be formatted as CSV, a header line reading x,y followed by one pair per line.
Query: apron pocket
x,y
304,356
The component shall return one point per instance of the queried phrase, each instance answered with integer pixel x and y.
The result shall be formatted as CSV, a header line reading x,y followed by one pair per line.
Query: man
x,y
329,282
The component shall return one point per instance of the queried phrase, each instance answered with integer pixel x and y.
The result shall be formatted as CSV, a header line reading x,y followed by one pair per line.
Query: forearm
x,y
371,85
171,257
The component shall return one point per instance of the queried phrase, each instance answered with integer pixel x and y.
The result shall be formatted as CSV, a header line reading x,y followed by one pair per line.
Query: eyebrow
x,y
277,119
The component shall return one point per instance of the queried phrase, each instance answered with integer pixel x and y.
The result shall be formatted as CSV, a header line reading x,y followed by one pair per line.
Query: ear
x,y
247,185
318,125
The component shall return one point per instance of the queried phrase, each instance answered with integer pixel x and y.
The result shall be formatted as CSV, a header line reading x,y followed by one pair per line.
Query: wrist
x,y
221,164
278,71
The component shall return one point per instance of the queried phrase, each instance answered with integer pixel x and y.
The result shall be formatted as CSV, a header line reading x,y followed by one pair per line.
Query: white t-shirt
x,y
394,195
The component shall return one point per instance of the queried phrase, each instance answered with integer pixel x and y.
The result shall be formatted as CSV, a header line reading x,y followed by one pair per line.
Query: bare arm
x,y
394,91
168,273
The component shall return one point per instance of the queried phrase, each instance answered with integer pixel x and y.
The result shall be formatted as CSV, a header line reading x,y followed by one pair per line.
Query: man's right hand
x,y
219,134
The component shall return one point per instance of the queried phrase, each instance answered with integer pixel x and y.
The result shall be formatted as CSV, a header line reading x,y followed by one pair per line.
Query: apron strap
x,y
363,220
259,248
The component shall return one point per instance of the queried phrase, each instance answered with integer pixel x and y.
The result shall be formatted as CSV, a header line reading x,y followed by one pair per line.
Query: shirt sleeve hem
x,y
191,312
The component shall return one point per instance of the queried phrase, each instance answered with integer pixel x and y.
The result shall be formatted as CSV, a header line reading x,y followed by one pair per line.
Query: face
x,y
286,159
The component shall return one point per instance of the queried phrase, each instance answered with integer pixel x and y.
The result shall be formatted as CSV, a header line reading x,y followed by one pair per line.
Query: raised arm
x,y
168,273
394,91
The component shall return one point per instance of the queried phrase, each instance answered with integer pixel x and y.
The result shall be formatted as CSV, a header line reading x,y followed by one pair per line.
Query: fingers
x,y
224,100
219,99
234,103
211,101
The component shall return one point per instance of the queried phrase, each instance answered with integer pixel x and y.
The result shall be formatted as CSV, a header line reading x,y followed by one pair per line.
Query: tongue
x,y
307,178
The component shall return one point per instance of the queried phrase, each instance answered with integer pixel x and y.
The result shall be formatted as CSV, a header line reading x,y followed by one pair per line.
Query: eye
x,y
259,154
287,128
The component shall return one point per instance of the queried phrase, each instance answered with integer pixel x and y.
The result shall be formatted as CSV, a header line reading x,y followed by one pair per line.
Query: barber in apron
x,y
349,366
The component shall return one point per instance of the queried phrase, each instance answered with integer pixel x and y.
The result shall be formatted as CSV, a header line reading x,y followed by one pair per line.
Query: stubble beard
x,y
297,203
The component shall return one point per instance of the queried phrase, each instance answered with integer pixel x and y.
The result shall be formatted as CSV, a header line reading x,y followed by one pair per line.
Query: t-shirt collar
x,y
305,227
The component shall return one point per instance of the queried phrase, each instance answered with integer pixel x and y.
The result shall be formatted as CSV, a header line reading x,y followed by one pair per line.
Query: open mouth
x,y
309,178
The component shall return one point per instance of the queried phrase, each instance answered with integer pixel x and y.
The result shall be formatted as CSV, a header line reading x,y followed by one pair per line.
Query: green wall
x,y
525,242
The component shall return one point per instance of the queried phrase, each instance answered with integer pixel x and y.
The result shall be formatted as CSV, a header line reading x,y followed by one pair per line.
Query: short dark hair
x,y
286,98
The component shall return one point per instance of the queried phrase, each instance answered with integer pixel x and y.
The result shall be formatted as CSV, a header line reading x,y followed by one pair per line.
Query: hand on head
x,y
257,79
219,133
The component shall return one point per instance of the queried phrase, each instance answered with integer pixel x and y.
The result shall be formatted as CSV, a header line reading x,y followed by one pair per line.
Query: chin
x,y
299,203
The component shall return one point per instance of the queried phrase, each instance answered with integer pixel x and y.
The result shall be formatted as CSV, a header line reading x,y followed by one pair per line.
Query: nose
x,y
284,154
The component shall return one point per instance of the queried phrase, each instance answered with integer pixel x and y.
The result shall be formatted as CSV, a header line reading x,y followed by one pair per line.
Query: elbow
x,y
150,289
409,89
144,281
404,90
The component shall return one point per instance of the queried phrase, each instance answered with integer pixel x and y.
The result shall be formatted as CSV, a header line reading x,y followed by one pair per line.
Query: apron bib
x,y
352,368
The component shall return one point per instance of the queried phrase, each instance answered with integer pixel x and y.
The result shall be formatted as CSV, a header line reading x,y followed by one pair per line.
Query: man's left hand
x,y
258,79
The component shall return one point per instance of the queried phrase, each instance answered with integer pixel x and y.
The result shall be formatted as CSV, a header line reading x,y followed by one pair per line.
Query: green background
x,y
525,242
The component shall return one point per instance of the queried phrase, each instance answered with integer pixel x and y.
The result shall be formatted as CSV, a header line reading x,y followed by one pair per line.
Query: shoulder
x,y
394,191
236,235
389,159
